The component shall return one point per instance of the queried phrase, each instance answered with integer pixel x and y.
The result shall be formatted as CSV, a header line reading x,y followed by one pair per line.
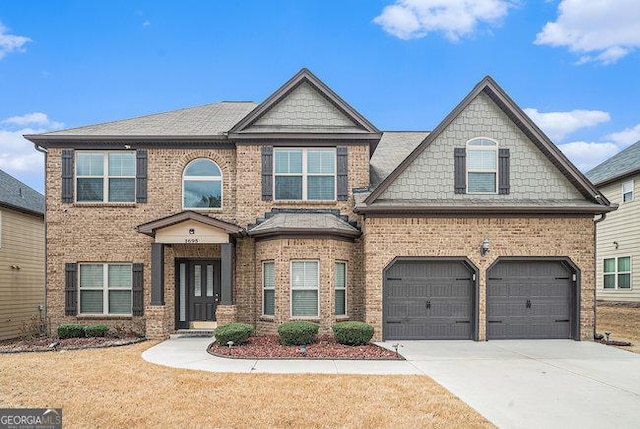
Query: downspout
x,y
603,216
46,253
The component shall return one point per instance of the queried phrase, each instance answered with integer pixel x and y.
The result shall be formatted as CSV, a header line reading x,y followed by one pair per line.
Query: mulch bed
x,y
325,347
54,344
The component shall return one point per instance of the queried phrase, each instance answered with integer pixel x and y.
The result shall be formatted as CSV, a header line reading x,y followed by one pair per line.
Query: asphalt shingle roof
x,y
393,148
15,194
208,120
618,165
302,222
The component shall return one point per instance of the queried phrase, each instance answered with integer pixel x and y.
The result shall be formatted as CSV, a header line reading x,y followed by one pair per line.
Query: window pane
x,y
482,182
122,190
481,142
183,292
197,280
624,281
288,161
624,264
91,301
90,164
119,302
209,280
341,269
202,193
609,281
609,265
321,161
627,197
481,160
90,190
304,302
310,274
202,167
288,187
120,275
91,276
269,276
269,302
321,187
340,302
122,164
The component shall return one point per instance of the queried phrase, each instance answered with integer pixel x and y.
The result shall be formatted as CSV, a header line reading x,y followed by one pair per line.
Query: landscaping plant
x,y
298,333
239,333
353,333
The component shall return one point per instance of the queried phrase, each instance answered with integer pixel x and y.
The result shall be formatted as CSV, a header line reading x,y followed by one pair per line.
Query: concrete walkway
x,y
515,383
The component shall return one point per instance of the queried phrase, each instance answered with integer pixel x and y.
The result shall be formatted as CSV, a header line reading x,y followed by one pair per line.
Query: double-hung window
x,y
482,166
617,273
341,289
304,288
305,174
106,176
105,288
268,288
627,191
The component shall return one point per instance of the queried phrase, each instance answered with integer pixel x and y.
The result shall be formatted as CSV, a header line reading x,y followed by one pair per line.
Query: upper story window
x,y
482,166
305,174
106,176
627,191
202,185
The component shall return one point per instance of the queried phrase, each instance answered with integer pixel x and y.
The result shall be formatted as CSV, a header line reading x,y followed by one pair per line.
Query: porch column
x,y
226,273
157,274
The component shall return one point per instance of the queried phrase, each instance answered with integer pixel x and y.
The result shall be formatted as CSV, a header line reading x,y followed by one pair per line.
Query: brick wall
x,y
386,238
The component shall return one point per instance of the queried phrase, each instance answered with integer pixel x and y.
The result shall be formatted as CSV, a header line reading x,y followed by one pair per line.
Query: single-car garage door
x,y
529,299
429,300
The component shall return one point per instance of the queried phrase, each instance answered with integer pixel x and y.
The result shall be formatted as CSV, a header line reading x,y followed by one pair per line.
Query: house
x,y
618,236
300,208
22,258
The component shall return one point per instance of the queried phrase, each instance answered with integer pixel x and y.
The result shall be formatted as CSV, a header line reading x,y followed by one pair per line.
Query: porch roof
x,y
304,224
150,228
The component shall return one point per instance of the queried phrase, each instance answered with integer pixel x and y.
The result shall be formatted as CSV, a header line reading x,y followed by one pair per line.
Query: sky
x,y
572,65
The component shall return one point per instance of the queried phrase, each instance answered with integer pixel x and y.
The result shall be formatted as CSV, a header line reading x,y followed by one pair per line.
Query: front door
x,y
198,291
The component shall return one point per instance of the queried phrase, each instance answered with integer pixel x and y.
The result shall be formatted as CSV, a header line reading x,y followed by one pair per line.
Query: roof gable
x,y
620,165
489,89
304,105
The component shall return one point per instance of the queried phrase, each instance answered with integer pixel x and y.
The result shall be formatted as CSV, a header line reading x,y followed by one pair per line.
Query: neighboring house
x,y
300,208
618,236
22,258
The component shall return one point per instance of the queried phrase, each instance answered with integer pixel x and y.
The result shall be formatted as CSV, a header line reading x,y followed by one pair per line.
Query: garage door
x,y
428,300
529,299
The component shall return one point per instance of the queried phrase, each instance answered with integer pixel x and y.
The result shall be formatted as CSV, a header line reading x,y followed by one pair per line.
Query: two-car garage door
x,y
436,299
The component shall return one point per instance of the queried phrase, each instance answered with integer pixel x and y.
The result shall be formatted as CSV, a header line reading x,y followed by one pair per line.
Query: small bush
x,y
70,330
353,333
298,333
95,330
237,332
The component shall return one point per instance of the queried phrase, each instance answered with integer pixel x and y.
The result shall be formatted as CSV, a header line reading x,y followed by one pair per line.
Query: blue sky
x,y
572,64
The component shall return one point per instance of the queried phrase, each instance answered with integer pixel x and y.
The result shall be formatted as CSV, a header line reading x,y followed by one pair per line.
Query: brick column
x,y
156,322
226,314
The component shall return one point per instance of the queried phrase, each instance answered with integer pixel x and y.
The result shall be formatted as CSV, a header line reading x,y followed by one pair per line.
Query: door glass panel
x,y
197,280
209,280
183,292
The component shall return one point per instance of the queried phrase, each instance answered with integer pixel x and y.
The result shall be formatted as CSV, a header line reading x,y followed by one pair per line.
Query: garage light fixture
x,y
484,247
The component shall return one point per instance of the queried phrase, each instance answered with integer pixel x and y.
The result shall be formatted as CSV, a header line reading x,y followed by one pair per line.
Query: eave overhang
x,y
150,228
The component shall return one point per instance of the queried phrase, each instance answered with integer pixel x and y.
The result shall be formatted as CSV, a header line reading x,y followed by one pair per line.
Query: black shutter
x,y
138,295
141,175
503,172
67,175
267,173
70,289
460,170
342,173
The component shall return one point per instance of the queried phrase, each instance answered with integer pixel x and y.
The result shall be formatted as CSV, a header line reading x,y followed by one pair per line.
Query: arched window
x,y
482,166
202,185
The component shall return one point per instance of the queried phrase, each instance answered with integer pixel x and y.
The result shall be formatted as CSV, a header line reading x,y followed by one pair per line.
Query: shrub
x,y
353,333
70,330
297,333
96,330
237,332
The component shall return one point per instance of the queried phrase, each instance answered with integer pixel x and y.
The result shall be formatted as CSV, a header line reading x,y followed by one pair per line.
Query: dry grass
x,y
623,323
116,388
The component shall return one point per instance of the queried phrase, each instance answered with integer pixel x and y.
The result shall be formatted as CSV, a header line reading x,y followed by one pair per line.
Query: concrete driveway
x,y
536,383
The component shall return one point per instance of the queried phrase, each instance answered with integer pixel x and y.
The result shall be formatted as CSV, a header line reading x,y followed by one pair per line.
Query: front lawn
x,y
623,323
115,387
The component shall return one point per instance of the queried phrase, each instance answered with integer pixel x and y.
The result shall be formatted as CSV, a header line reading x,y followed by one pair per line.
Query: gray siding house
x,y
618,236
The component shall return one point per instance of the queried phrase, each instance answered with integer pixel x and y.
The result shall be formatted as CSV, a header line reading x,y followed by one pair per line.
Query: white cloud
x,y
146,23
586,155
10,42
18,156
626,137
454,19
558,124
602,31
